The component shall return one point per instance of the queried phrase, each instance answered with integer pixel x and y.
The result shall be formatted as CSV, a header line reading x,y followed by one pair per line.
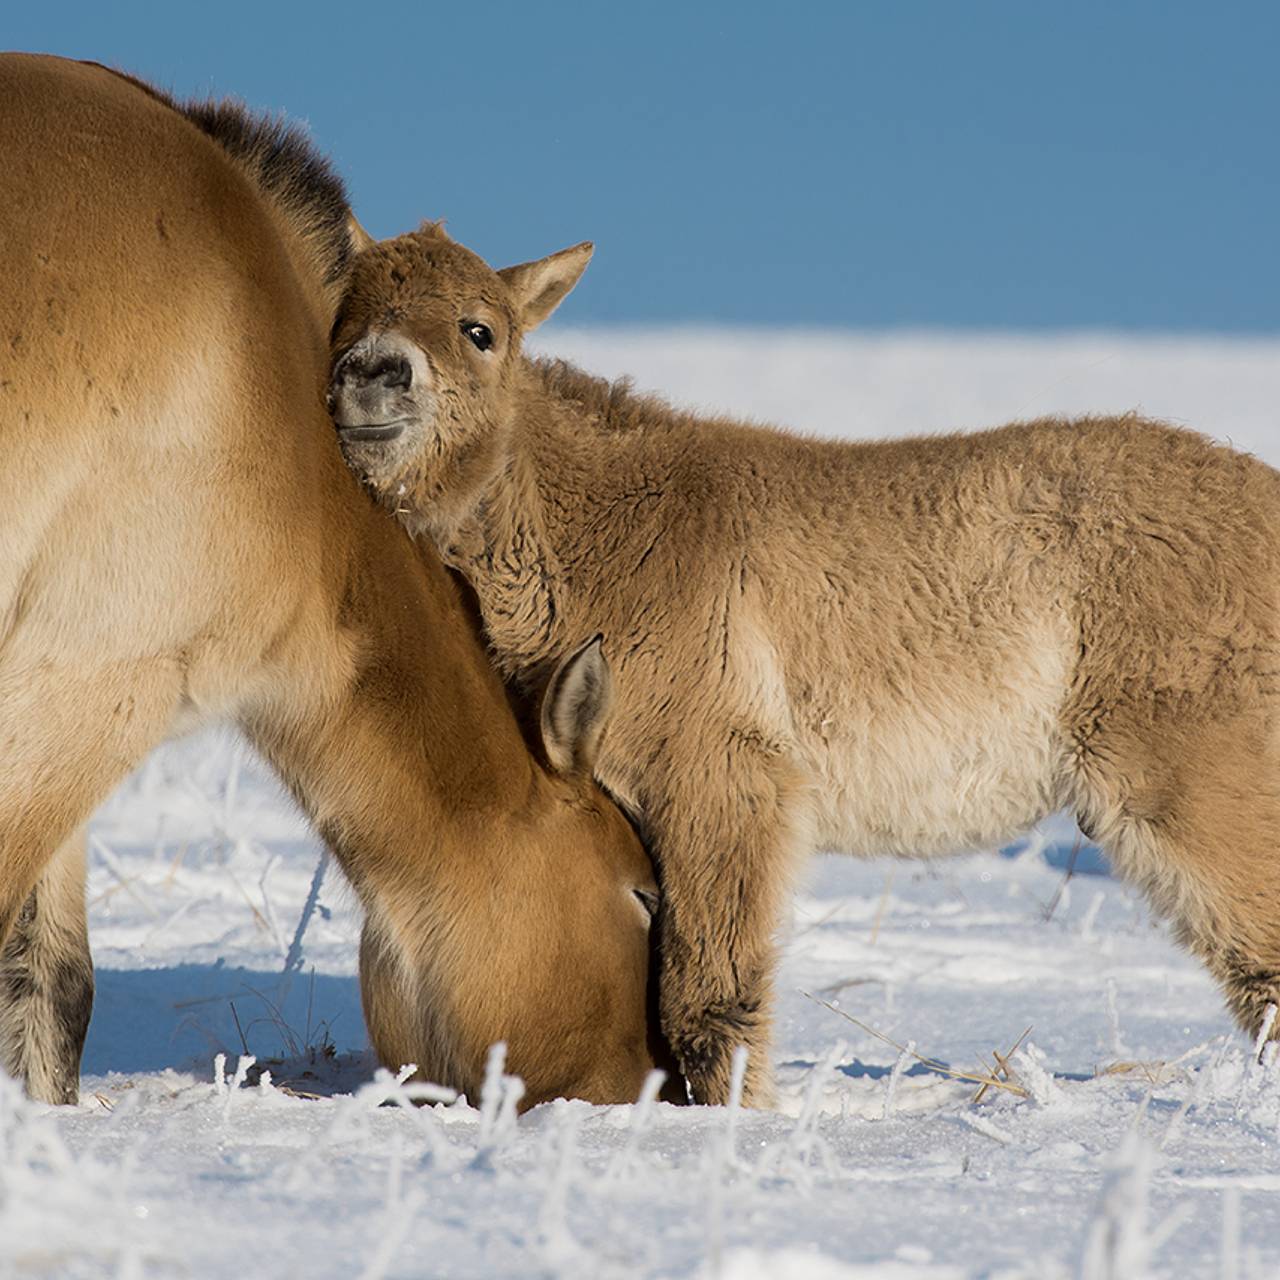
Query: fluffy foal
x,y
900,647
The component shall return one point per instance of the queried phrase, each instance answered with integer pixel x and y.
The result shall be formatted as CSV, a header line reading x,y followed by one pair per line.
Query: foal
x,y
893,648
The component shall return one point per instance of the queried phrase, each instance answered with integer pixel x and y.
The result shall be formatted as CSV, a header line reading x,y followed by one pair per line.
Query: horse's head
x,y
542,939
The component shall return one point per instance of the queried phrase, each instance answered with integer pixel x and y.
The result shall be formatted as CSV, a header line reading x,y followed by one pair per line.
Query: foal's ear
x,y
540,287
575,709
358,238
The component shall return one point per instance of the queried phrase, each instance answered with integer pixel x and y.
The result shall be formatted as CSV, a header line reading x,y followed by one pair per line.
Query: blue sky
x,y
866,164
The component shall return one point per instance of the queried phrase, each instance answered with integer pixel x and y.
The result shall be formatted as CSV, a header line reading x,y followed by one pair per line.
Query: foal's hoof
x,y
704,1046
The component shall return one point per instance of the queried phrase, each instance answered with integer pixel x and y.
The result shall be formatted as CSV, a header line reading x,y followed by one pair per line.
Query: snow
x,y
1139,1137
899,383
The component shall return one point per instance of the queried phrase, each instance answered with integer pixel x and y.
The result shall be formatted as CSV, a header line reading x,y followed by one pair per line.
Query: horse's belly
x,y
963,762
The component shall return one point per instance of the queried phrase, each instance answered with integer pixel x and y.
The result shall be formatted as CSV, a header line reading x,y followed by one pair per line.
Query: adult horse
x,y
181,542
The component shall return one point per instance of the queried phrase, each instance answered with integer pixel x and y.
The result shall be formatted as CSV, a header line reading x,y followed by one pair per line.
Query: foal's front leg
x,y
726,833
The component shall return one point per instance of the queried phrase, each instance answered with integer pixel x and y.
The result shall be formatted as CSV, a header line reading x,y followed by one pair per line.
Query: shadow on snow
x,y
183,1016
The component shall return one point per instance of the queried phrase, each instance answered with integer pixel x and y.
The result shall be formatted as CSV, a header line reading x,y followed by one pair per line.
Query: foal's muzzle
x,y
374,388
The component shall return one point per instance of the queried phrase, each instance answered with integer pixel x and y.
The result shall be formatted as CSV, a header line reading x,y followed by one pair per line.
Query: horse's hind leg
x,y
1193,817
46,977
67,737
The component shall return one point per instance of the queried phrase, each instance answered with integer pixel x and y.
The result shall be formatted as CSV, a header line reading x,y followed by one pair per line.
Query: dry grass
x,y
1052,906
880,910
1001,1078
1152,1072
1002,1069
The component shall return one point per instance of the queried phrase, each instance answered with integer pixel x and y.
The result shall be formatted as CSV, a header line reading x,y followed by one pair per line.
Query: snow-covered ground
x,y
889,384
1135,1133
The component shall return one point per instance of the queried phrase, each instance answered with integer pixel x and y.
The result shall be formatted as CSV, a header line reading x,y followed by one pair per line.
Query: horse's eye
x,y
480,334
648,900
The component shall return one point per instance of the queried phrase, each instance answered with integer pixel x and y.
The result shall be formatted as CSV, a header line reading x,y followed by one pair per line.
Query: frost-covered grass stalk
x,y
229,1091
294,957
500,1096
62,1211
1035,1076
891,1087
624,1163
723,1159
793,1159
123,878
1118,1048
1120,1243
491,1090
1201,1085
1090,917
556,1238
412,1098
399,1211
1262,1061
268,911
737,1075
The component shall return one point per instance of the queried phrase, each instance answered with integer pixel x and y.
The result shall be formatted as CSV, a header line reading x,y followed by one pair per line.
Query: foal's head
x,y
426,348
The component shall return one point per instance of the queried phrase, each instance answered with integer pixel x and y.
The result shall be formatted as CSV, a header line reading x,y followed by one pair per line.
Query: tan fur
x,y
182,542
46,981
894,648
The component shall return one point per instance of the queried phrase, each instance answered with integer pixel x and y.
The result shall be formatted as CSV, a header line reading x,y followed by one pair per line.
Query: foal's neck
x,y
533,542
507,550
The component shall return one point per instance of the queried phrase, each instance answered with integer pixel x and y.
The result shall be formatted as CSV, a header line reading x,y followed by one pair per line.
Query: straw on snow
x,y
987,1080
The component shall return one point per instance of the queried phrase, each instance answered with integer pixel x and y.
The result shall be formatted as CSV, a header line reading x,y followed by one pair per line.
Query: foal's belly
x,y
962,757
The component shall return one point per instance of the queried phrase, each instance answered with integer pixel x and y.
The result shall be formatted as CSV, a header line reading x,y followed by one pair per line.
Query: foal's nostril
x,y
392,372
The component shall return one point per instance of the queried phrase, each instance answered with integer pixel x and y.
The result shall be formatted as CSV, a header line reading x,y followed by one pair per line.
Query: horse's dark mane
x,y
283,161
285,165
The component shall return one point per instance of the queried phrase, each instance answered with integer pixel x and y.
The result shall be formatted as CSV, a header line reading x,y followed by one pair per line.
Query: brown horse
x,y
896,648
182,543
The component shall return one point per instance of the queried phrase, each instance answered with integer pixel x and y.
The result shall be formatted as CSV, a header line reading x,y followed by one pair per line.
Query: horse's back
x,y
137,254
157,348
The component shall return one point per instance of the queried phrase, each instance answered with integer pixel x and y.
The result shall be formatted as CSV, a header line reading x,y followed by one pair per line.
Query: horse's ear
x,y
359,238
575,709
540,287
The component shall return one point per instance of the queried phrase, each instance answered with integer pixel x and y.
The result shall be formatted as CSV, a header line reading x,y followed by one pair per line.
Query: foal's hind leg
x,y
1193,817
46,977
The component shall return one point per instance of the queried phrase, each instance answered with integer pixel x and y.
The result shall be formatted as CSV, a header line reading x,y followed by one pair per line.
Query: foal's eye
x,y
480,334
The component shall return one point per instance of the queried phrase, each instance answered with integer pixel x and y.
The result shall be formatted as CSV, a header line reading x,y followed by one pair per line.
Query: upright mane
x,y
281,158
615,405
283,162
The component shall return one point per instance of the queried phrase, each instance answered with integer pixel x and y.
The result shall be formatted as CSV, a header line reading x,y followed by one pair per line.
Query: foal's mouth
x,y
372,432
